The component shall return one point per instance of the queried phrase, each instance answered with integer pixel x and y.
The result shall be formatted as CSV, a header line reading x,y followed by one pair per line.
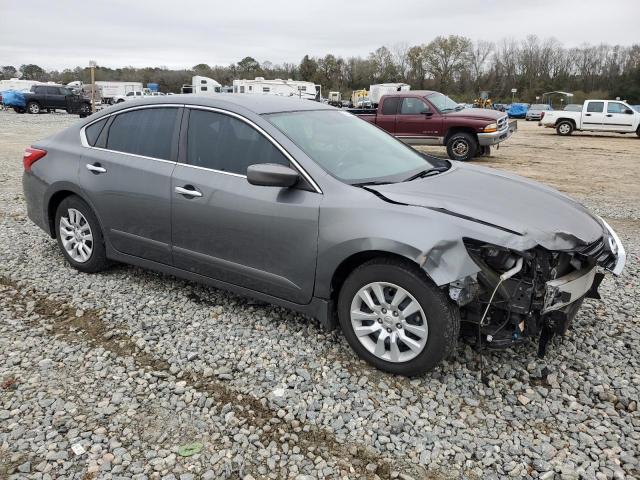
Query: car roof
x,y
256,103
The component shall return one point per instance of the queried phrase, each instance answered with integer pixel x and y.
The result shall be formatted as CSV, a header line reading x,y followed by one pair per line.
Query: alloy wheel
x,y
76,235
389,322
460,148
564,128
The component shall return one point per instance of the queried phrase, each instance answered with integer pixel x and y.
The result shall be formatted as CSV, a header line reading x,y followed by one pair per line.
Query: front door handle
x,y
96,168
609,115
189,192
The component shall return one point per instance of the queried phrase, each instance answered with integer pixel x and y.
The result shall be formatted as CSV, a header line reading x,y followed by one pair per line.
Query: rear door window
x,y
222,142
390,106
149,132
595,107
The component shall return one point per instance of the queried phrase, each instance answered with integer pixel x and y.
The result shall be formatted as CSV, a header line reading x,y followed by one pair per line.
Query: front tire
x,y
79,235
462,146
396,319
33,108
564,128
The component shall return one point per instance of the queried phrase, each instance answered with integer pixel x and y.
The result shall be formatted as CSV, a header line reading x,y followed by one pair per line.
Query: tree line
x,y
455,65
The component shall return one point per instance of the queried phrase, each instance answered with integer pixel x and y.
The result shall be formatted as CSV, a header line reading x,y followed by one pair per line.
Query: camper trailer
x,y
284,88
201,86
17,84
378,90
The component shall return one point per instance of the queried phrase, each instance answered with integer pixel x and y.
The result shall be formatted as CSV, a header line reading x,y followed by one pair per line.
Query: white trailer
x,y
378,90
201,86
115,92
17,84
284,88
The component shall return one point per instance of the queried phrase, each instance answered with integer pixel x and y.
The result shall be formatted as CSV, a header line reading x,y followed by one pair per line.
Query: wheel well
x,y
349,264
454,130
570,120
55,200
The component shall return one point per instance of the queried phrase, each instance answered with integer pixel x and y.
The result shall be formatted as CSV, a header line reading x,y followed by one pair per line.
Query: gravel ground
x,y
109,375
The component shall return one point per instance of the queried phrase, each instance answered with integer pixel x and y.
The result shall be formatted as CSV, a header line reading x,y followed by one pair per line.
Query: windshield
x,y
350,148
444,103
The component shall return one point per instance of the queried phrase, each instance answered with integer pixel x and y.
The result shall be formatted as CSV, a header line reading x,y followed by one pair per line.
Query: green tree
x,y
33,72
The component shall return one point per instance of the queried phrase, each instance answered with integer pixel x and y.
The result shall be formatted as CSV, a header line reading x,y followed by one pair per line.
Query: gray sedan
x,y
309,207
536,111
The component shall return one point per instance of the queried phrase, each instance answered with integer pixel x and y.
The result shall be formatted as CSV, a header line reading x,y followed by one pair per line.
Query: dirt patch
x,y
583,164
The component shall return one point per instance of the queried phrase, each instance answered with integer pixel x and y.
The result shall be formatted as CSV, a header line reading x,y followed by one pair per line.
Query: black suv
x,y
54,97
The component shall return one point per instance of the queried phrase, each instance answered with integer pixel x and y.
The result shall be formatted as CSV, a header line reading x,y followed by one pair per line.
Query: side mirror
x,y
272,175
427,113
628,111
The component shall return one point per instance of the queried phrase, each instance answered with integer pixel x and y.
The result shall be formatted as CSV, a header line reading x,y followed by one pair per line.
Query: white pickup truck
x,y
597,116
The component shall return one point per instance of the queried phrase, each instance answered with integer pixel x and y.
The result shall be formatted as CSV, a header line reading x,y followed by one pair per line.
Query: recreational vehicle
x,y
284,88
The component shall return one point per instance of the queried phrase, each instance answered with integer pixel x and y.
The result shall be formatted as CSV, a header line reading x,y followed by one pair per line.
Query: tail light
x,y
541,115
31,156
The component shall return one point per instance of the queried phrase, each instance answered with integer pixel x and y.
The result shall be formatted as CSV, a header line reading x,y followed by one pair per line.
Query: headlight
x,y
616,248
492,127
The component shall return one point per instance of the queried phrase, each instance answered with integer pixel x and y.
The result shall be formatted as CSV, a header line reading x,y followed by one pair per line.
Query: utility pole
x,y
92,65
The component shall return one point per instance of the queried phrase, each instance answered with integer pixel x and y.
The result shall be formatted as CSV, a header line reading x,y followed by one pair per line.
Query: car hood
x,y
477,114
532,212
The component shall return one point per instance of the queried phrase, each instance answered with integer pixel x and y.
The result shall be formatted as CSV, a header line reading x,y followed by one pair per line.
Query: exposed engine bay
x,y
519,296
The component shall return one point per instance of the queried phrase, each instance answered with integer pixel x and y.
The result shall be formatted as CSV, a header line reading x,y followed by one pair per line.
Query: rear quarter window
x,y
92,132
390,106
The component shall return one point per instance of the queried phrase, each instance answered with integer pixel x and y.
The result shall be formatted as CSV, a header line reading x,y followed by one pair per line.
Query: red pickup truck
x,y
422,117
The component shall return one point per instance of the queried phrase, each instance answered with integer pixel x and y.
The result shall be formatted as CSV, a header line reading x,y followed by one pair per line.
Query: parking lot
x,y
132,365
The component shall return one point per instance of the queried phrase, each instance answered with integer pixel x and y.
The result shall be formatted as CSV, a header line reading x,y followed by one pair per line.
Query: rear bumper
x,y
34,191
488,139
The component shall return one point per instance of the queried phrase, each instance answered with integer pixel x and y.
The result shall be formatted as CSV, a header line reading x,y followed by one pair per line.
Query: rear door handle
x,y
96,168
189,192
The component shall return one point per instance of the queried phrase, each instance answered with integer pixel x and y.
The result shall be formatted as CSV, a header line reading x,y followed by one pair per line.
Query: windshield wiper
x,y
373,182
427,172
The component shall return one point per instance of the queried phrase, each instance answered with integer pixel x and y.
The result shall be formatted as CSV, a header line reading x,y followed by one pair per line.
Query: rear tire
x,y
33,108
462,146
564,128
75,224
435,320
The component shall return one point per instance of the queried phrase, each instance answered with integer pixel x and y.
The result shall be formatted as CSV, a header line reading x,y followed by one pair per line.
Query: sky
x,y
67,33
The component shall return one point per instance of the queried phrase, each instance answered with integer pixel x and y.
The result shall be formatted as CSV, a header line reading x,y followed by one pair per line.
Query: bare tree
x,y
445,57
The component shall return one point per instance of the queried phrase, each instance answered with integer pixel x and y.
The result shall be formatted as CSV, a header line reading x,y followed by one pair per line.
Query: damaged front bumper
x,y
499,309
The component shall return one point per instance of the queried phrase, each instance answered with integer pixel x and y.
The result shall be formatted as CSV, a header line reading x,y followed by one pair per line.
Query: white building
x,y
284,88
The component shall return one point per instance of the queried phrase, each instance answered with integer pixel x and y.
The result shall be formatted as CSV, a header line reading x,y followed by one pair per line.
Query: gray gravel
x,y
108,375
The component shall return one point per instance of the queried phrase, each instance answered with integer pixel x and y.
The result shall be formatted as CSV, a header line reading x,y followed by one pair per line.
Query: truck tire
x,y
564,128
462,146
33,108
85,110
638,132
430,330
